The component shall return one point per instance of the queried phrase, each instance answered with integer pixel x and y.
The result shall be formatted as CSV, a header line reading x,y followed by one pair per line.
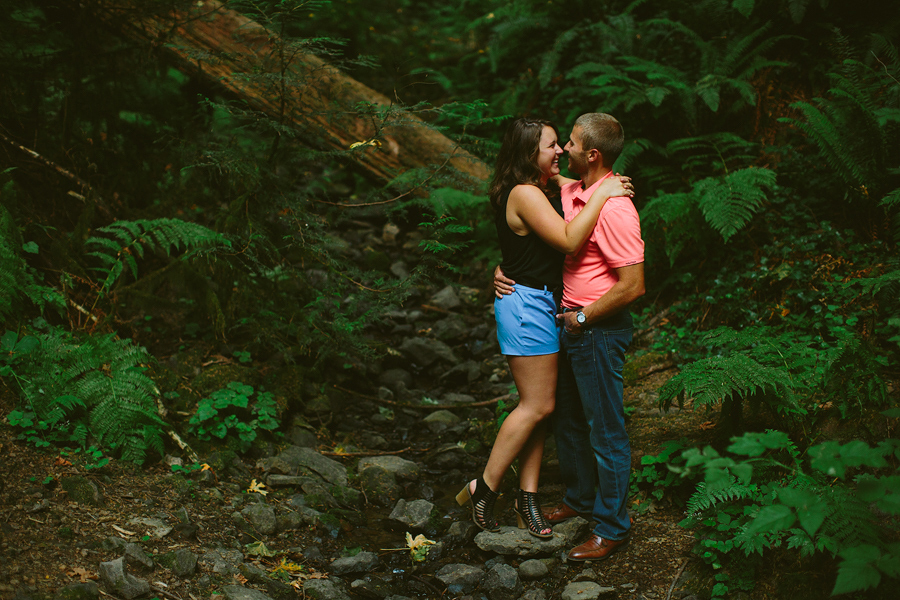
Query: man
x,y
599,282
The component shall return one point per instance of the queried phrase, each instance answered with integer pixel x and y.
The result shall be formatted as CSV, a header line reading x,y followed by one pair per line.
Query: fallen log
x,y
225,48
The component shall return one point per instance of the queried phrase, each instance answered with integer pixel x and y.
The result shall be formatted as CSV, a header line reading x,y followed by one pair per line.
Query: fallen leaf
x,y
708,425
82,573
258,488
259,549
418,546
123,531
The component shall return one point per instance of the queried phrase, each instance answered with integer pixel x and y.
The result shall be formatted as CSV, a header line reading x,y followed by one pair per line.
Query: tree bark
x,y
330,109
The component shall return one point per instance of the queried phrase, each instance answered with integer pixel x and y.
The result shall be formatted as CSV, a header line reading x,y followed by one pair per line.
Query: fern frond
x,y
728,203
707,496
129,238
712,380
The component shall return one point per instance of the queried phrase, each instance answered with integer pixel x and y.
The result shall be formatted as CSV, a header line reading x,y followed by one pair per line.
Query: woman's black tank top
x,y
527,259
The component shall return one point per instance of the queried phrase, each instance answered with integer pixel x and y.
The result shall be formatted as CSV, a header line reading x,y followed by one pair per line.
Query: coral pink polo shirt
x,y
615,242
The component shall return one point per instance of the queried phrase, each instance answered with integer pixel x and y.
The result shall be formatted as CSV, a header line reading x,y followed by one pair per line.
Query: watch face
x,y
580,317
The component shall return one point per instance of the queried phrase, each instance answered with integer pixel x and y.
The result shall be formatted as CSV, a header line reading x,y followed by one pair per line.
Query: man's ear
x,y
594,156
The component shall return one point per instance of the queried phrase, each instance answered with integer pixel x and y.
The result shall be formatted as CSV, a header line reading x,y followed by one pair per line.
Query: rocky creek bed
x,y
374,456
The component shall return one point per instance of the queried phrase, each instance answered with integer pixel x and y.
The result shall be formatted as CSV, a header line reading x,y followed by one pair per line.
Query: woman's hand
x,y
617,185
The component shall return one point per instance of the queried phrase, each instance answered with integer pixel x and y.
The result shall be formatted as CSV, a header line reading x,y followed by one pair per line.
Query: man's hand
x,y
503,286
569,322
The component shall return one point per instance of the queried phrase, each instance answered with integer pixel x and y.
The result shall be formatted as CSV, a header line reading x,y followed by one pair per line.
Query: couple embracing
x,y
566,356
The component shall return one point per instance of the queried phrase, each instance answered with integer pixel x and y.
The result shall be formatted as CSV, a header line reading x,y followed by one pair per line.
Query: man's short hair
x,y
602,132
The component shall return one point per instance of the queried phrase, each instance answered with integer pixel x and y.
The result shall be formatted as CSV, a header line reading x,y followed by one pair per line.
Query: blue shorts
x,y
526,322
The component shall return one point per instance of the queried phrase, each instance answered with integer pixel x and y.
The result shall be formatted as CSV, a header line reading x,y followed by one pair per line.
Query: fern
x,y
130,239
713,380
707,495
728,203
17,281
91,387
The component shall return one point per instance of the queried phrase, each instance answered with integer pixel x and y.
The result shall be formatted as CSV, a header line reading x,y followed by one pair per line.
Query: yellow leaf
x,y
258,488
418,546
373,142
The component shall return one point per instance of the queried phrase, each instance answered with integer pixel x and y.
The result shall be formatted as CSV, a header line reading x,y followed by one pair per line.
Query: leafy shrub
x,y
230,414
768,495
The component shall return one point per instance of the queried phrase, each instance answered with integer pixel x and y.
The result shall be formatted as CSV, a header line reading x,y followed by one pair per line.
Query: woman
x,y
534,238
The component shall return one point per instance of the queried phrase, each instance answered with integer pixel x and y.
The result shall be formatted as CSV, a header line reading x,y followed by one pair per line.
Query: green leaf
x,y
772,518
30,247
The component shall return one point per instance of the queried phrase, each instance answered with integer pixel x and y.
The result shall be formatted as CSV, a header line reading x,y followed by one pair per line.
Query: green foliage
x,y
655,479
82,389
129,240
768,496
229,414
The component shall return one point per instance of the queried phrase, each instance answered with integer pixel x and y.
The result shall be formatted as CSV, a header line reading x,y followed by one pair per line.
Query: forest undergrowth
x,y
161,192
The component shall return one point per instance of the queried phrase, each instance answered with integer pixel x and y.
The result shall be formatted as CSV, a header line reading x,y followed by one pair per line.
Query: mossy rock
x,y
82,490
216,377
636,367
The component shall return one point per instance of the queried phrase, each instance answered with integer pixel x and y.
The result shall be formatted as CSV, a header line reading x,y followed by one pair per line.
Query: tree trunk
x,y
207,40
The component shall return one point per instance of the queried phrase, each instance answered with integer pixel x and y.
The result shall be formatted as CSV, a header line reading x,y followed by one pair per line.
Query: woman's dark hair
x,y
517,160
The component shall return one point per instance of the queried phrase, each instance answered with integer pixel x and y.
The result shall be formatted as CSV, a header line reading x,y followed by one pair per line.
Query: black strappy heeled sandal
x,y
482,502
528,511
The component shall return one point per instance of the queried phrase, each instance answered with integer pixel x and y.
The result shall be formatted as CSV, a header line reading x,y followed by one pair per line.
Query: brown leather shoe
x,y
596,548
561,512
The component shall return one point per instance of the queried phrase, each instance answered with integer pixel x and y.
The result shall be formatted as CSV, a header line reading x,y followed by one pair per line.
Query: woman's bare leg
x,y
522,433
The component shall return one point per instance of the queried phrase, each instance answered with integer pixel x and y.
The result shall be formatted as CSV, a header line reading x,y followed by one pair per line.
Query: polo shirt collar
x,y
583,195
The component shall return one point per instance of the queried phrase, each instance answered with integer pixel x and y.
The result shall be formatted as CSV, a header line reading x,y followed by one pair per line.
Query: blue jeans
x,y
589,423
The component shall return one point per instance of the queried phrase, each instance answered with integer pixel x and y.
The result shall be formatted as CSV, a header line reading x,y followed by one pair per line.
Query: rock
x,y
454,398
440,421
276,589
452,329
155,527
462,532
586,574
399,467
299,459
537,594
289,480
533,569
113,543
446,457
424,351
465,372
324,589
380,486
373,440
361,563
502,583
415,515
511,540
303,437
376,588
460,579
288,521
114,575
446,298
221,561
136,556
239,592
261,517
78,591
392,377
400,269
182,562
586,590
82,490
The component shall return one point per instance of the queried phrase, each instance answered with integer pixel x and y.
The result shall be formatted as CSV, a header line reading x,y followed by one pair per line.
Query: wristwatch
x,y
579,316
